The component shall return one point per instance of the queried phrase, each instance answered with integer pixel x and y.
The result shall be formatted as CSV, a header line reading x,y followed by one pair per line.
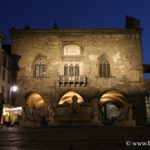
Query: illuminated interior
x,y
111,103
35,101
111,111
67,98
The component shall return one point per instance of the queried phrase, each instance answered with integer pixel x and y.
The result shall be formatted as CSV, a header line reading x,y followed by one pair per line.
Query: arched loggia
x,y
67,98
112,102
34,100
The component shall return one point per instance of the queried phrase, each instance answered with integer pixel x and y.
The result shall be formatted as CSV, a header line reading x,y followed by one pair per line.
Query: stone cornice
x,y
98,31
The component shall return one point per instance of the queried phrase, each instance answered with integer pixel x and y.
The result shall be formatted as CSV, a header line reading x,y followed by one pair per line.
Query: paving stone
x,y
72,138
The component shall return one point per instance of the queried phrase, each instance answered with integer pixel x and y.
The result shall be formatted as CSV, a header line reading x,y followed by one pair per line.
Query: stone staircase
x,y
74,138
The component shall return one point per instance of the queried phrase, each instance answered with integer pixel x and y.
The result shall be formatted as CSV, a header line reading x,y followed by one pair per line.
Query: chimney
x,y
132,23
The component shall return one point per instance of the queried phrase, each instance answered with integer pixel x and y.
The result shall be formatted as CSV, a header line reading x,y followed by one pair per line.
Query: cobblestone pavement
x,y
74,138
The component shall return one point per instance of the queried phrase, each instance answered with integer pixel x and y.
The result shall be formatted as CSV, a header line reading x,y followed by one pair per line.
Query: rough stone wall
x,y
122,47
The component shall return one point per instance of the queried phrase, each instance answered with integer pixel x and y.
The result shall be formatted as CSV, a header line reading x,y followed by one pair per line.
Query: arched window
x,y
71,70
40,67
77,72
104,67
66,70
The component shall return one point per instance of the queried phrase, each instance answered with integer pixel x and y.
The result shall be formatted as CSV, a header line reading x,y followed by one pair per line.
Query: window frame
x,y
77,70
104,68
66,70
71,70
40,68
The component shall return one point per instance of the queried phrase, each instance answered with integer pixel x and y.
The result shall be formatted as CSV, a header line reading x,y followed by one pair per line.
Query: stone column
x,y
96,115
125,117
51,118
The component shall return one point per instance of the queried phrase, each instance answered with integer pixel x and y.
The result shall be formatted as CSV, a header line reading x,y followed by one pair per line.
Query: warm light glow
x,y
68,98
16,110
113,97
35,101
5,111
14,88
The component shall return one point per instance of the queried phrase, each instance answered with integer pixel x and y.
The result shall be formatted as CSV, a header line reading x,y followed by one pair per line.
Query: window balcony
x,y
72,80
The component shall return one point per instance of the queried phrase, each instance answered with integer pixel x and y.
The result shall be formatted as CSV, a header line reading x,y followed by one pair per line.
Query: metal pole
x,y
10,96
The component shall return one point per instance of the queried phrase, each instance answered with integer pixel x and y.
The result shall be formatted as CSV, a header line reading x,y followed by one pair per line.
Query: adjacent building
x,y
8,69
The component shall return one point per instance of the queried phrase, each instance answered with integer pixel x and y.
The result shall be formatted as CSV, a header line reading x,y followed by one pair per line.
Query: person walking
x,y
1,108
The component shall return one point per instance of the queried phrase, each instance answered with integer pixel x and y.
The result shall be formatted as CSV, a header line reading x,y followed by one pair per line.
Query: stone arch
x,y
67,98
34,100
114,99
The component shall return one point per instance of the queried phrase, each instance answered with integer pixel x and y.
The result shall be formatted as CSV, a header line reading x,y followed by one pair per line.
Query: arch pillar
x,y
116,98
96,114
127,120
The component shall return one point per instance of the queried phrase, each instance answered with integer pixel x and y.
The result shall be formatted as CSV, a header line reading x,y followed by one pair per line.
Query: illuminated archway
x,y
114,97
67,98
112,103
34,100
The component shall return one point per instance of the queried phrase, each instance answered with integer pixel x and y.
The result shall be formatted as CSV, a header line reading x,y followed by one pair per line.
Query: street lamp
x,y
14,89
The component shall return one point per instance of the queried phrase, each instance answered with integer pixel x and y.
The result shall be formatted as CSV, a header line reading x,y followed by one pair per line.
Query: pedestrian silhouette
x,y
1,108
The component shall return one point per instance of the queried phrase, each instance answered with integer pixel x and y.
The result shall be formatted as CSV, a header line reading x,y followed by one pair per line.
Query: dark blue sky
x,y
75,14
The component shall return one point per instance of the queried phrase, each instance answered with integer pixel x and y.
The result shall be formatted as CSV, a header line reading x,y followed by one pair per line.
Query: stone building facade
x,y
8,70
97,65
5,71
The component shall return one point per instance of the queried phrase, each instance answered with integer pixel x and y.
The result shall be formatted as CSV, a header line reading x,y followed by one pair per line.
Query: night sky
x,y
75,14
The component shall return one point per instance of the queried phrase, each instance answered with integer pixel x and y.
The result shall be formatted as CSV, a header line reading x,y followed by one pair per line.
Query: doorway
x,y
110,113
111,102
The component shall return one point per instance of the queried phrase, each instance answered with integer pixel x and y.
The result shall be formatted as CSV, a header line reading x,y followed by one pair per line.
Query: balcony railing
x,y
76,80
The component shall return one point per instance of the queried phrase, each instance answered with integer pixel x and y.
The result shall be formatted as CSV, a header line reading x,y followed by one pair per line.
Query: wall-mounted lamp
x,y
14,89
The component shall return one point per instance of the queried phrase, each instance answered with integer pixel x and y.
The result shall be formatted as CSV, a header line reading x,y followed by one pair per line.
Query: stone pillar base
x,y
125,123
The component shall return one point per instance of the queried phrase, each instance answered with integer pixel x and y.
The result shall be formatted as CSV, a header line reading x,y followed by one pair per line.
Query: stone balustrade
x,y
75,80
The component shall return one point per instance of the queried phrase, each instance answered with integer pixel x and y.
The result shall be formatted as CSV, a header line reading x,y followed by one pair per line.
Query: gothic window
x,y
3,75
71,70
104,68
66,70
40,67
9,65
77,72
9,78
4,61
